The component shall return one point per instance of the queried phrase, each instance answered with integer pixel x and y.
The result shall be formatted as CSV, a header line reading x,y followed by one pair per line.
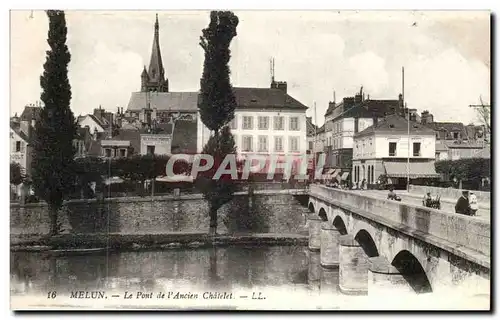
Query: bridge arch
x,y
366,242
412,270
311,207
322,214
339,224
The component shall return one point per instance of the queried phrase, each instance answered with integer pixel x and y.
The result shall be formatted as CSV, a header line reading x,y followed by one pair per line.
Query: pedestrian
x,y
473,206
427,200
462,205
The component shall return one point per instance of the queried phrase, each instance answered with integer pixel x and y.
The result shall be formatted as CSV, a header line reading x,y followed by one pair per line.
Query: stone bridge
x,y
380,245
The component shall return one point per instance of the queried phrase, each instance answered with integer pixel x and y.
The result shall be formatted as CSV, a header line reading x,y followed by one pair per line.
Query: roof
x,y
321,129
175,101
311,127
448,127
16,128
265,98
30,113
188,101
367,108
94,118
134,136
396,124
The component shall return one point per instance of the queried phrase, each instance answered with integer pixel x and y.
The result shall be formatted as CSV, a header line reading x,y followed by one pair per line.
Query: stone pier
x,y
353,267
314,232
329,245
314,271
383,278
329,281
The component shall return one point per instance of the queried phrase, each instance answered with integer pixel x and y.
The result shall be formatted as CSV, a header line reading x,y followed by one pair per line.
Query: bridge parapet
x,y
459,232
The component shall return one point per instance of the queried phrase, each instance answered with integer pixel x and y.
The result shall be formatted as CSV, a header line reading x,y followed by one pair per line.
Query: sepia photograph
x,y
320,160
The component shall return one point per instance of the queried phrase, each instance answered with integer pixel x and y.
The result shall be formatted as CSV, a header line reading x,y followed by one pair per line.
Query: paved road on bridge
x,y
447,205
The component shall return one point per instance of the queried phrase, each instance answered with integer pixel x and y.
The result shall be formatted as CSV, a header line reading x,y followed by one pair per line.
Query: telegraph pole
x,y
408,111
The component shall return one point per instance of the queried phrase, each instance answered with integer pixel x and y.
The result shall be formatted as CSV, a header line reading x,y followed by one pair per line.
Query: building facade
x,y
347,118
385,148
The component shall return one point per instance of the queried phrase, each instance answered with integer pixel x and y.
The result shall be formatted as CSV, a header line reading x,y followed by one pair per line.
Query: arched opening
x,y
340,225
366,242
311,207
413,272
322,214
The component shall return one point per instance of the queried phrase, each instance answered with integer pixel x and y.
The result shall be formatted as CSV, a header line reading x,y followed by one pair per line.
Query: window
x,y
247,123
373,175
107,152
294,144
151,150
122,152
416,149
369,173
247,143
263,123
262,143
392,149
18,146
310,145
294,123
455,135
278,123
234,123
278,144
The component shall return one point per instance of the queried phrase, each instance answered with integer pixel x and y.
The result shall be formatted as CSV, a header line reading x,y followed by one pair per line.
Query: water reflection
x,y
220,268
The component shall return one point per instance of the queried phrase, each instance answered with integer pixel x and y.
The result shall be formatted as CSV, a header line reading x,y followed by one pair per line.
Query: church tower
x,y
153,78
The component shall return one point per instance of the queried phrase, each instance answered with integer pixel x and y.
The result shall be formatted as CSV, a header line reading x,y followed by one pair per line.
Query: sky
x,y
446,56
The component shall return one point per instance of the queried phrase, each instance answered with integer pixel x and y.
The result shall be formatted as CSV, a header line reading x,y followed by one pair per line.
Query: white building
x,y
384,149
267,121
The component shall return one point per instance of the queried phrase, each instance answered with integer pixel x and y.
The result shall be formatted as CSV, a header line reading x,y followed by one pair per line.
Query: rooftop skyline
x,y
446,56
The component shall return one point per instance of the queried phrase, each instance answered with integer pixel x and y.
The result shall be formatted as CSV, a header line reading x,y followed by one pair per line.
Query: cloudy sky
x,y
446,56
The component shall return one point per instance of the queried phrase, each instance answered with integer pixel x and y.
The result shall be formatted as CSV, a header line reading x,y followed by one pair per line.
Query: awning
x,y
175,178
417,170
113,180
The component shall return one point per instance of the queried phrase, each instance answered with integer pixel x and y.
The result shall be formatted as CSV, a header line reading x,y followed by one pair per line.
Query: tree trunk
x,y
54,229
213,221
212,269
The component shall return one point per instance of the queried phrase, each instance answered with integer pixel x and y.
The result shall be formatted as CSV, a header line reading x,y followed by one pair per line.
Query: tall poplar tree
x,y
216,106
53,152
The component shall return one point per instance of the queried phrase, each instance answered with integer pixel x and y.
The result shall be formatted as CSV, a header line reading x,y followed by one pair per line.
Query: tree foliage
x,y
53,151
217,101
17,174
465,169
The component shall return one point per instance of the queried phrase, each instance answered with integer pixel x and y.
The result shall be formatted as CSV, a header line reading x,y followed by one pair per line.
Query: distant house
x,y
385,147
455,141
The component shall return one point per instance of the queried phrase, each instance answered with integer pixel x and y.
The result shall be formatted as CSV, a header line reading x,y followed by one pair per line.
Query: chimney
x,y
281,85
357,98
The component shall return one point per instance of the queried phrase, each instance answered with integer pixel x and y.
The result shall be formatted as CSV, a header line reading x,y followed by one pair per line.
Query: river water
x,y
249,270
237,277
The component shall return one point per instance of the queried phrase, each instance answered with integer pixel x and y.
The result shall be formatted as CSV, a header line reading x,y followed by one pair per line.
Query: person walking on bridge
x,y
473,206
462,206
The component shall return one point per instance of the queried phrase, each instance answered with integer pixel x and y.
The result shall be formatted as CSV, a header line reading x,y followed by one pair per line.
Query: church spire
x,y
156,73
